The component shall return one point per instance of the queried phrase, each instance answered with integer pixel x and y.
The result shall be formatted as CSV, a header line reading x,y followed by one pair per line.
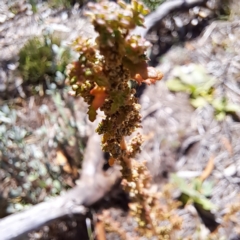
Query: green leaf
x,y
220,116
57,185
92,114
198,102
42,184
101,81
184,199
193,194
232,108
194,80
206,189
183,186
119,99
197,184
219,104
206,204
176,85
194,75
32,177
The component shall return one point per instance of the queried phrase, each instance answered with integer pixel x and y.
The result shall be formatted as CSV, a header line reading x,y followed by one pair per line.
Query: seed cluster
x,y
101,76
105,65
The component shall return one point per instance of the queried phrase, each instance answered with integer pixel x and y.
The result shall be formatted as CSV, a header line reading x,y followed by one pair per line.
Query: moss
x,y
153,4
42,61
65,3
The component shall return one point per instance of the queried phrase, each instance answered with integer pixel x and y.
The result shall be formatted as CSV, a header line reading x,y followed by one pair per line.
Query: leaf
x,y
92,114
232,108
100,95
193,194
119,99
206,204
195,75
32,177
141,72
220,116
184,199
194,80
222,107
183,186
219,104
198,102
197,184
207,187
176,85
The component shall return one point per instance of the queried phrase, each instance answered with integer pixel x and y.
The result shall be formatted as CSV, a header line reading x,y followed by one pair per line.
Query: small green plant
x,y
195,192
153,4
30,177
34,165
42,62
194,80
222,107
64,3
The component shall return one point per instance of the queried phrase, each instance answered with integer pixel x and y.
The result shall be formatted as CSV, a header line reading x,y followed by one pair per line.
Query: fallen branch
x,y
93,186
74,202
163,10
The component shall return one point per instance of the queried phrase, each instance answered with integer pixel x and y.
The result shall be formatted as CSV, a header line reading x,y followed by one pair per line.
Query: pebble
x,y
230,171
3,18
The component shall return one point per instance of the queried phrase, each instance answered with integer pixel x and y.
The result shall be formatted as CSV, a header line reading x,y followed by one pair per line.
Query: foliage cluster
x,y
64,3
197,191
42,62
153,4
29,170
200,86
22,162
60,4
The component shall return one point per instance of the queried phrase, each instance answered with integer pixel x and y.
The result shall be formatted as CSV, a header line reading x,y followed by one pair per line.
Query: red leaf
x,y
100,95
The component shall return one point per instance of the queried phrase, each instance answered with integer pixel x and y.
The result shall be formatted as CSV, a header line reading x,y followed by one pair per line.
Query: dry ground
x,y
178,137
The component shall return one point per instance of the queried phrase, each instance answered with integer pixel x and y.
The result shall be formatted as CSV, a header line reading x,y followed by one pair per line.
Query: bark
x,y
163,10
93,186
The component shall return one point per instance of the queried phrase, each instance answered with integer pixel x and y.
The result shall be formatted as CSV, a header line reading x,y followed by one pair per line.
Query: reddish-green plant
x,y
101,76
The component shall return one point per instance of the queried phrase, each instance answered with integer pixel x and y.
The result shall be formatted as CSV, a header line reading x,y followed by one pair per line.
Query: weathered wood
x,y
162,11
88,192
92,187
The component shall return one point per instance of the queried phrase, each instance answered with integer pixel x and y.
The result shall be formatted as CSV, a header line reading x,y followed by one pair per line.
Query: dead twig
x,y
163,10
93,186
87,193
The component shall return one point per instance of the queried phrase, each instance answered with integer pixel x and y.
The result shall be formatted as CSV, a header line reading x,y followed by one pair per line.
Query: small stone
x,y
230,170
3,18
